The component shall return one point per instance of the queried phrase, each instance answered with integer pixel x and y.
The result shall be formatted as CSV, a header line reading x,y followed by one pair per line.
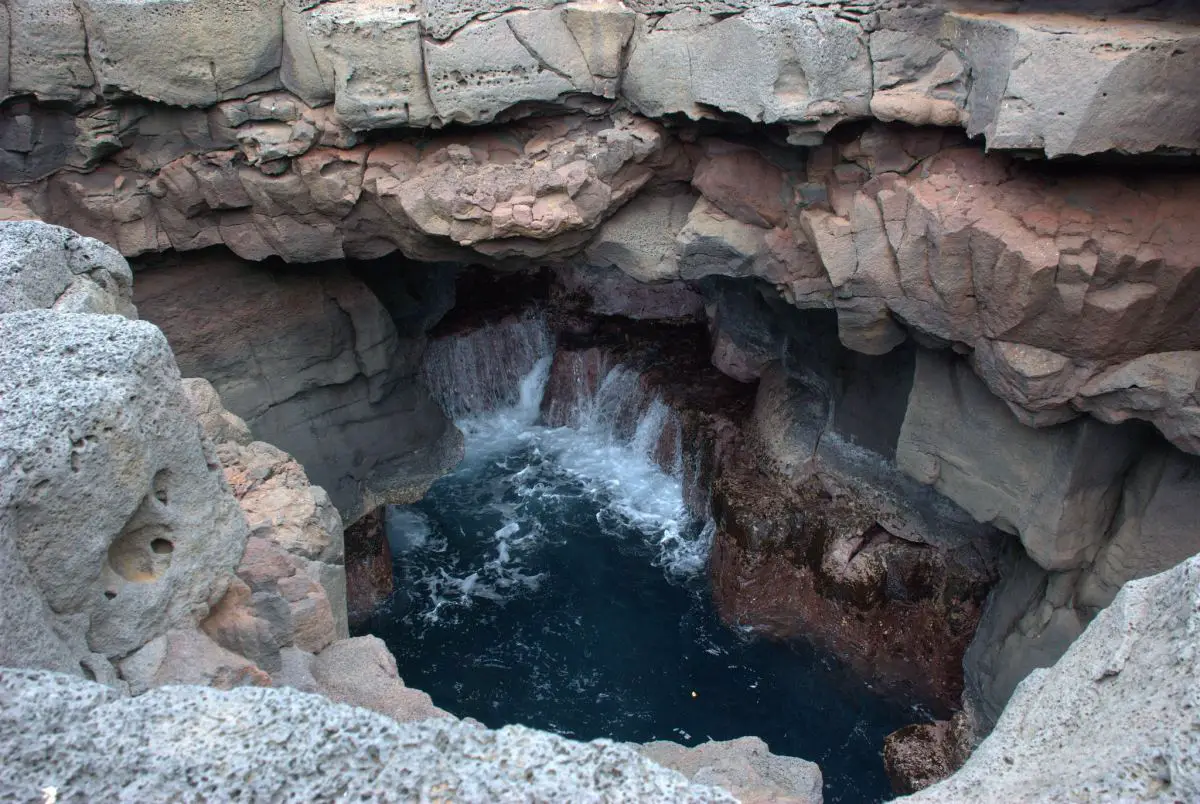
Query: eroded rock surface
x,y
745,767
1112,720
809,65
117,510
314,364
88,742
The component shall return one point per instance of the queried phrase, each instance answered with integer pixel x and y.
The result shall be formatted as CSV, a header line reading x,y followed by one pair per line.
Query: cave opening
x,y
592,506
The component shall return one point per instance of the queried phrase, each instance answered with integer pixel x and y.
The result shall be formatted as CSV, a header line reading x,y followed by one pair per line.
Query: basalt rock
x,y
1073,291
48,267
1112,720
808,65
369,575
923,754
119,517
85,741
314,364
745,767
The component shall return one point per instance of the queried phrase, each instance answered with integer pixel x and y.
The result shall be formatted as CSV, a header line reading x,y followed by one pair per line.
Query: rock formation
x,y
743,766
314,363
950,241
228,579
85,741
1112,720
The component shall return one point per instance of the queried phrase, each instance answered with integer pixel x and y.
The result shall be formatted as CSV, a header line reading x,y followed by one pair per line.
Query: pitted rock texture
x,y
49,267
1113,720
174,743
744,767
1124,71
117,509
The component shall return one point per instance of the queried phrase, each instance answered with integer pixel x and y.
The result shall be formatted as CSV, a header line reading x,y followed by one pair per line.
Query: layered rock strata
x,y
806,64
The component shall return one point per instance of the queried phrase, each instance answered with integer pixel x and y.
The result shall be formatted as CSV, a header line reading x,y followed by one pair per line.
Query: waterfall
x,y
483,370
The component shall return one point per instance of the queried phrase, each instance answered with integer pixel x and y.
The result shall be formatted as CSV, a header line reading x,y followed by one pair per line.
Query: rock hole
x,y
87,672
142,551
109,594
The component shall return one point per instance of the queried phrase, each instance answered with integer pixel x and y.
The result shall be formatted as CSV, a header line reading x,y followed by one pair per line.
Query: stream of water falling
x,y
555,579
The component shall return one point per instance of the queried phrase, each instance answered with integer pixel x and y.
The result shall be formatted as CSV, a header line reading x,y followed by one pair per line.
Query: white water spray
x,y
622,449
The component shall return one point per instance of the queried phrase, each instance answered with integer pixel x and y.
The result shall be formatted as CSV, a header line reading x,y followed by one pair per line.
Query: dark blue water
x,y
553,581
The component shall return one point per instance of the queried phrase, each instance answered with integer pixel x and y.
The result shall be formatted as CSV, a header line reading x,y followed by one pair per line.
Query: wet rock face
x,y
369,578
923,754
805,562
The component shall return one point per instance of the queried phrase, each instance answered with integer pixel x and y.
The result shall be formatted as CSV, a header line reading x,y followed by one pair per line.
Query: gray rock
x,y
1058,488
122,519
640,238
1113,720
1112,82
313,364
362,672
188,656
744,767
1032,615
218,424
364,56
790,64
179,743
49,267
1029,622
485,68
47,51
1155,528
187,53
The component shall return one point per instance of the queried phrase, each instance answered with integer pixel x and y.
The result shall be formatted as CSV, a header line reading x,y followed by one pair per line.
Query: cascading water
x,y
483,370
557,577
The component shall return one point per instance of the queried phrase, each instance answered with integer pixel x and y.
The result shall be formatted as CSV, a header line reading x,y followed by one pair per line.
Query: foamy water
x,y
517,470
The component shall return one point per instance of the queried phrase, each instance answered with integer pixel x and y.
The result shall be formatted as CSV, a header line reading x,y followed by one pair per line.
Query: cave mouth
x,y
558,577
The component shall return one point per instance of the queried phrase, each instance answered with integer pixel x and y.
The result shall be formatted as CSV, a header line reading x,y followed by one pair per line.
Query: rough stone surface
x,y
118,512
1057,488
744,767
1113,720
811,65
48,267
1033,615
179,742
313,363
187,656
186,53
361,672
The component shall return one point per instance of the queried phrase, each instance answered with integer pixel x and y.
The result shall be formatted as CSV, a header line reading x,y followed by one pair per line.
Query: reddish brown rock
x,y
369,579
922,754
803,562
743,184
